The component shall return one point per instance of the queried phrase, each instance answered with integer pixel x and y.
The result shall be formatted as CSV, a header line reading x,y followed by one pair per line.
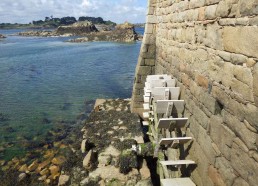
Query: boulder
x,y
89,160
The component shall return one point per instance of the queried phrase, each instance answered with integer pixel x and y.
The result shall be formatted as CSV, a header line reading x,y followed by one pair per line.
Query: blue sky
x,y
24,11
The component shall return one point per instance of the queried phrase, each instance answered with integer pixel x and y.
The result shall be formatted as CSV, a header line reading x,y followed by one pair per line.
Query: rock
x,y
85,181
44,172
215,176
122,33
44,164
33,166
84,145
88,160
238,40
144,171
144,183
23,168
104,159
42,178
63,180
22,176
54,170
58,160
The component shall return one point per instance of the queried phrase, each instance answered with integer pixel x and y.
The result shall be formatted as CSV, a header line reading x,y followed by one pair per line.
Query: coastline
x,y
106,137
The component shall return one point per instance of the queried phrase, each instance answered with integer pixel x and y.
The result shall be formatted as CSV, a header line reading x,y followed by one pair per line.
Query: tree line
x,y
51,21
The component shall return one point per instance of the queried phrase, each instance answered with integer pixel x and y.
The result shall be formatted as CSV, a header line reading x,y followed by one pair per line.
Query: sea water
x,y
47,80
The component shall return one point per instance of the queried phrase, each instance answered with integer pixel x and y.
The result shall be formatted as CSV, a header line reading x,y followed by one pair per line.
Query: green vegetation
x,y
51,22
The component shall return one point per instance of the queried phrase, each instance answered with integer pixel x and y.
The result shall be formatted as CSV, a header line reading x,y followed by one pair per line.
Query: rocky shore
x,y
95,151
121,33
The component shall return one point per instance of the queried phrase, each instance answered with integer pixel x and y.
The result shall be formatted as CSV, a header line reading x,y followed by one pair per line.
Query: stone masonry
x,y
146,60
211,48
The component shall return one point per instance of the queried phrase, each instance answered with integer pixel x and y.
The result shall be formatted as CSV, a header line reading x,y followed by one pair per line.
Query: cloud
x,y
24,11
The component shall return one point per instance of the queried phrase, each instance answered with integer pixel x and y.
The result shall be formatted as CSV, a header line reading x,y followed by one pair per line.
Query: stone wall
x,y
211,48
146,60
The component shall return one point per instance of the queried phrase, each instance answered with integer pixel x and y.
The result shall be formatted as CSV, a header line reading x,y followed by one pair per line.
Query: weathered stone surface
x,y
255,83
225,138
84,145
33,166
210,12
145,70
244,165
225,169
251,114
240,182
63,180
196,3
202,81
248,7
206,144
215,176
238,40
223,9
87,161
240,129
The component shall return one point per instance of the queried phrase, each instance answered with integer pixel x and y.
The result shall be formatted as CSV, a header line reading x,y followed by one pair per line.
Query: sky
x,y
119,11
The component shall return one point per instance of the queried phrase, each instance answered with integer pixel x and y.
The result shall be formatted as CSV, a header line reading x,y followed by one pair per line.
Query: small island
x,y
2,36
89,32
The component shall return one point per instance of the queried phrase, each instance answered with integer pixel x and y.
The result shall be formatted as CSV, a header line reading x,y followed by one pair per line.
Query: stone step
x,y
177,162
172,123
158,93
160,83
162,105
146,106
158,77
177,182
175,141
146,115
146,99
145,123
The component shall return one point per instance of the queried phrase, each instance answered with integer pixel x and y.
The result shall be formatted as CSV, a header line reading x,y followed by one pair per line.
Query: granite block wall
x,y
211,48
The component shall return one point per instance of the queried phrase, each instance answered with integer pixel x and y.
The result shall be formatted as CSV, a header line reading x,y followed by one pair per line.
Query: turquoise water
x,y
46,80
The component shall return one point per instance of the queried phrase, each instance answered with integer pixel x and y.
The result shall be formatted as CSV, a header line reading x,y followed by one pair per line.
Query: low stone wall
x,y
210,47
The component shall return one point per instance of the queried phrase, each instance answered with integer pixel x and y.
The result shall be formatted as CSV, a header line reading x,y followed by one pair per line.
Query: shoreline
x,y
54,162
